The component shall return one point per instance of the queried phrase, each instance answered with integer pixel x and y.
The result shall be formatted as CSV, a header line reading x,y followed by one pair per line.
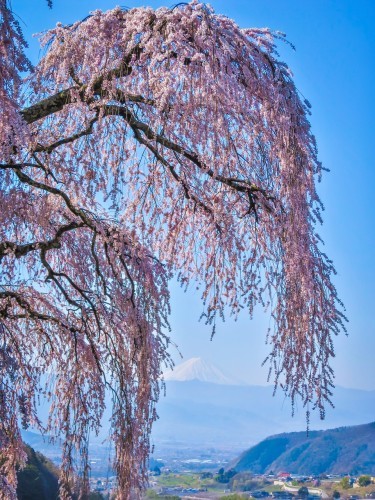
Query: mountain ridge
x,y
342,450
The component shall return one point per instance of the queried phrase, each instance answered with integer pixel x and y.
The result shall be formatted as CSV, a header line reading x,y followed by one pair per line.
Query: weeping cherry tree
x,y
145,145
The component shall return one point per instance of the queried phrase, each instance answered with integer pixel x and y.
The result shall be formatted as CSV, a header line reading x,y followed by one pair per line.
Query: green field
x,y
229,491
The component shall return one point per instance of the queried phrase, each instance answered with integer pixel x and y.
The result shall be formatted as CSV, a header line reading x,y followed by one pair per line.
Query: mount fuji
x,y
199,369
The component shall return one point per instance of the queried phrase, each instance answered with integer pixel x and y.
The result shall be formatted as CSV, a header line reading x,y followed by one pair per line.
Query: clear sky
x,y
334,67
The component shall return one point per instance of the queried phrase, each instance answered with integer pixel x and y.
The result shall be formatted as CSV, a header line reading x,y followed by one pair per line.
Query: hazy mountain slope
x,y
346,450
41,443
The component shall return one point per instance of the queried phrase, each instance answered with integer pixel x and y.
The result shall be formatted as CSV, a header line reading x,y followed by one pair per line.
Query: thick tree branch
x,y
56,102
7,247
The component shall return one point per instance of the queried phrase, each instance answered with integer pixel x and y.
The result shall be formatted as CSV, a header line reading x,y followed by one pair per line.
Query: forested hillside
x,y
345,450
39,478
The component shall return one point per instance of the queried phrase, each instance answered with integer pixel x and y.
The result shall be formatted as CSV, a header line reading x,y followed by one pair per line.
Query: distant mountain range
x,y
203,408
346,450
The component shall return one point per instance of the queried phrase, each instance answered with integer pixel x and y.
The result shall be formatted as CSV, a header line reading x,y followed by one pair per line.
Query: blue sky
x,y
334,69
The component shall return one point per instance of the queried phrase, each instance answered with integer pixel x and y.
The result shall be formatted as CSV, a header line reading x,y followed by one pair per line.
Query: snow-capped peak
x,y
199,369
